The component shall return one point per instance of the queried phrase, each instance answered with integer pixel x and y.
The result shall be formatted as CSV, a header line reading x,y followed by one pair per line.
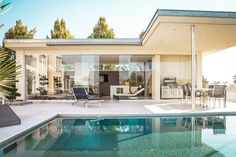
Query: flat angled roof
x,y
188,13
195,13
52,42
116,41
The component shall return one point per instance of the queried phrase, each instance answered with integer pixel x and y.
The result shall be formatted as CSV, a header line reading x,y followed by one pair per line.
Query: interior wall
x,y
178,66
113,79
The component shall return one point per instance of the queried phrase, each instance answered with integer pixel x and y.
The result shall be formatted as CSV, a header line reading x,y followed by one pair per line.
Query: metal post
x,y
193,67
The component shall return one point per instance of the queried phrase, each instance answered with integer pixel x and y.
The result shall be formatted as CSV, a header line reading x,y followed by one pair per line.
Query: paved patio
x,y
38,112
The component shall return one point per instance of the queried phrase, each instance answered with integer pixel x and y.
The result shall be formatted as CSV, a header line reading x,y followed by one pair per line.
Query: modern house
x,y
51,67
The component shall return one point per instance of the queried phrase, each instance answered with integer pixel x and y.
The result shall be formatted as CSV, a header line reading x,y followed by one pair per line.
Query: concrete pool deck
x,y
38,112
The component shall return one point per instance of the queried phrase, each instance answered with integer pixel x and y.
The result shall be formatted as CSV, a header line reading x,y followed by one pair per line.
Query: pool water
x,y
130,137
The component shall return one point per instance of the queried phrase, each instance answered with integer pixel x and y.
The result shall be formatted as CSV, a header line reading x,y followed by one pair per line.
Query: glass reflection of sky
x,y
224,143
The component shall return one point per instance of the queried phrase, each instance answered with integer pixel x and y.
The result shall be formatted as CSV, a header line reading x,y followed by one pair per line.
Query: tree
x,y
8,67
13,93
60,31
58,84
19,31
102,30
2,6
141,34
43,81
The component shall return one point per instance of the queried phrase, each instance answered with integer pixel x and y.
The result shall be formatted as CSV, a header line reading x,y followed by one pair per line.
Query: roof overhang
x,y
73,44
167,33
118,41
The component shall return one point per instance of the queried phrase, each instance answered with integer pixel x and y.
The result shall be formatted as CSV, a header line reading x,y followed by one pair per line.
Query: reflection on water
x,y
134,137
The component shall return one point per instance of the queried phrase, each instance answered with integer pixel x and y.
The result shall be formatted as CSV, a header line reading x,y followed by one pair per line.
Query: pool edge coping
x,y
233,113
8,141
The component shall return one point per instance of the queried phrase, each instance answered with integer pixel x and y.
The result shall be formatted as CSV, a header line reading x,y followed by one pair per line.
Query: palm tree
x,y
8,67
4,8
8,73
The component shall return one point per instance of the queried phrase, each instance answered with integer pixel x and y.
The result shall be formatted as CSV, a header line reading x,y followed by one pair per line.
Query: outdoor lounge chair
x,y
81,95
117,97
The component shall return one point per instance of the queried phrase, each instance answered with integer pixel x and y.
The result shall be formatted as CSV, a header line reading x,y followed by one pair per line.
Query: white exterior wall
x,y
21,84
199,71
180,67
156,88
176,66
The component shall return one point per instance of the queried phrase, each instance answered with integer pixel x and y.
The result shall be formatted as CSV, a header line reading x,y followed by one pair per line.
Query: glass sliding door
x,y
52,76
125,74
36,66
80,70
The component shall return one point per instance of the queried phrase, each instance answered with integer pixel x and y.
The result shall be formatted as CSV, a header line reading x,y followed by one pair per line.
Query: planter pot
x,y
8,116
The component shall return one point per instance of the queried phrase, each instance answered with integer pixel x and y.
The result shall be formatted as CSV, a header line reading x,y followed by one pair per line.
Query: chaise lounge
x,y
81,95
118,97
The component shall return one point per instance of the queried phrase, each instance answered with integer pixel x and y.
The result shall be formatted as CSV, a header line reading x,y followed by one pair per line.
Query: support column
x,y
193,67
21,84
156,77
199,70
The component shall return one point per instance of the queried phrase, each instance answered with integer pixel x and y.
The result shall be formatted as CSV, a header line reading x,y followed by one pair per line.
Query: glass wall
x,y
53,76
126,73
79,71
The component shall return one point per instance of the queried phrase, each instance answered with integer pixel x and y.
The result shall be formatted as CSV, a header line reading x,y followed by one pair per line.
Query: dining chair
x,y
218,93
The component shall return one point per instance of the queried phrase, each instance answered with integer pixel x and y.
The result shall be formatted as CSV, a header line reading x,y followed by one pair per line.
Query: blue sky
x,y
127,17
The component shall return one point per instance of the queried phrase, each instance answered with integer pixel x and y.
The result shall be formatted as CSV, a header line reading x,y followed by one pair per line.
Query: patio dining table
x,y
204,94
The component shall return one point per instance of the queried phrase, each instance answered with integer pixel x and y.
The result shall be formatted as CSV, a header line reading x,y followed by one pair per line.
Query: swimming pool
x,y
129,137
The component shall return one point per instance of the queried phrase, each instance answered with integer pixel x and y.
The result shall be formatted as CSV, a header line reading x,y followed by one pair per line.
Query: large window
x,y
54,76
